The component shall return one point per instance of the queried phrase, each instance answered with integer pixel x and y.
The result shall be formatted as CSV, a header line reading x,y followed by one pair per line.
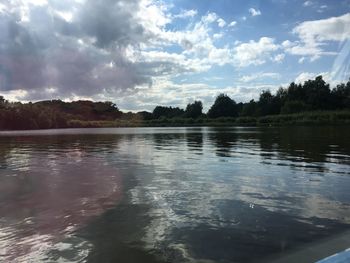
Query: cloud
x,y
260,76
161,63
232,24
83,54
115,50
254,53
315,35
315,6
254,12
198,44
330,29
221,22
99,49
72,58
304,76
113,23
322,8
279,58
209,18
186,14
327,77
308,3
218,35
287,44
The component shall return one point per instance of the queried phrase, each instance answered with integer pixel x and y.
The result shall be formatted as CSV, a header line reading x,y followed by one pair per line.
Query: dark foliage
x,y
53,114
145,115
223,106
168,112
310,96
194,110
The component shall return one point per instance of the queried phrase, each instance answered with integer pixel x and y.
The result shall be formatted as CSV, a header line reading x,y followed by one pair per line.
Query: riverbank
x,y
299,119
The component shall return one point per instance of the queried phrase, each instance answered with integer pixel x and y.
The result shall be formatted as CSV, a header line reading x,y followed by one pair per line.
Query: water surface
x,y
171,194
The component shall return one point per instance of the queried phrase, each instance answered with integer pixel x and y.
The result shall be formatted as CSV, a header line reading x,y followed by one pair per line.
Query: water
x,y
171,194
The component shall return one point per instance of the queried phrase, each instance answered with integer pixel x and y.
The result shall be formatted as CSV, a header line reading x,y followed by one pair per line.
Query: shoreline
x,y
320,118
314,118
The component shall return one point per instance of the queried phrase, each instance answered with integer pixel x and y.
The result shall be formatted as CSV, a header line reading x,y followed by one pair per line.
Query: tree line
x,y
53,114
312,95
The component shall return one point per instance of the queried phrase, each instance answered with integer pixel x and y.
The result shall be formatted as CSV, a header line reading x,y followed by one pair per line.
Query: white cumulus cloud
x,y
330,29
186,14
221,22
255,53
232,24
254,12
279,58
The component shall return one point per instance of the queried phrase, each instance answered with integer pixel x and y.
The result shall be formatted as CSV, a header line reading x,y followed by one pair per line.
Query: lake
x,y
171,194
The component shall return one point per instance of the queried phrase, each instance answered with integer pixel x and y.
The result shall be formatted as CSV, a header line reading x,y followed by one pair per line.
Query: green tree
x,y
145,115
269,104
194,110
295,92
168,112
249,109
294,106
223,106
341,96
317,93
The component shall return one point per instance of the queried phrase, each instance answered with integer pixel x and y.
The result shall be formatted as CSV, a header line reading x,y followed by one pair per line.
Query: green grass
x,y
307,118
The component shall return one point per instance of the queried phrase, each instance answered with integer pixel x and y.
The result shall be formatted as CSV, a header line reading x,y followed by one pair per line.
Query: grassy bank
x,y
299,119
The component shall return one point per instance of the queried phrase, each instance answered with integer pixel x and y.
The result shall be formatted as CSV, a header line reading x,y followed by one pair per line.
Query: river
x,y
171,194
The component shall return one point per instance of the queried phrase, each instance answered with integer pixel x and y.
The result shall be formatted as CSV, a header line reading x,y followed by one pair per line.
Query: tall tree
x,y
317,93
295,92
341,96
194,110
223,106
269,104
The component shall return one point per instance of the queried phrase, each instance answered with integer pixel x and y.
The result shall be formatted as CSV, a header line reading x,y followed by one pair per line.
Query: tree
x,y
269,104
107,108
281,95
145,115
249,109
294,106
168,112
341,96
2,102
295,92
317,93
194,110
223,106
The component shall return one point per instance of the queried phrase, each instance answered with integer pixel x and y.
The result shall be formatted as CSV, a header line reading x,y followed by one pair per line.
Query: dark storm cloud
x,y
50,57
21,62
86,72
111,21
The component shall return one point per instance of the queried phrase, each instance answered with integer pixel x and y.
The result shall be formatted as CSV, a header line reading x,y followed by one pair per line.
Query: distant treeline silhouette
x,y
312,95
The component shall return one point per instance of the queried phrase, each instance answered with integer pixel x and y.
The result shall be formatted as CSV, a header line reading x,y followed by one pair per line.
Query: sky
x,y
143,53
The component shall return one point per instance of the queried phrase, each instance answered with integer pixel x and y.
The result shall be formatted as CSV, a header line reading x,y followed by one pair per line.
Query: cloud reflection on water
x,y
181,194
